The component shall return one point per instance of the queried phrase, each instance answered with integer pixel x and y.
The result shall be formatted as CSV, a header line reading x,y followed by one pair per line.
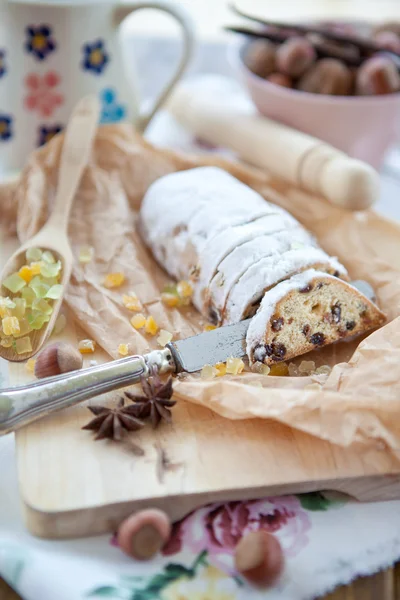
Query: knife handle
x,y
22,405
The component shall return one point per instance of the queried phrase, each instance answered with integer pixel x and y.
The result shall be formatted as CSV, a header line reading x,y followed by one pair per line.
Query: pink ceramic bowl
x,y
362,126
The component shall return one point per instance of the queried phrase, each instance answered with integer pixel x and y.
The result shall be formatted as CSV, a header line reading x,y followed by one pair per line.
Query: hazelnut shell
x,y
259,558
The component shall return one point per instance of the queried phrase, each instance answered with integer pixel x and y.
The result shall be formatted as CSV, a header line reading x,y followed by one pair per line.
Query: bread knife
x,y
22,405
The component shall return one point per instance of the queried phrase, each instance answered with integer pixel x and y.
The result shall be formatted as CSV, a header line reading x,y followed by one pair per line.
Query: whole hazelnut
x,y
387,40
259,557
143,534
260,57
280,79
377,75
56,359
327,76
295,56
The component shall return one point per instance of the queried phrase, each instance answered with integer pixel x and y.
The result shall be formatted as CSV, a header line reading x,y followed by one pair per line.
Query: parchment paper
x,y
359,402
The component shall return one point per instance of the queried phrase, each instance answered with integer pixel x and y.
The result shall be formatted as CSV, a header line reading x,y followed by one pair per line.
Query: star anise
x,y
156,402
110,422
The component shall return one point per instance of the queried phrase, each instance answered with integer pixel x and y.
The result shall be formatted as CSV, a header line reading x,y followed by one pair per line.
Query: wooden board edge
x,y
104,519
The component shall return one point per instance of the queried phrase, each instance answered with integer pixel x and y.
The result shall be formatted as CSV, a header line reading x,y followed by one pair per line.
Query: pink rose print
x,y
42,96
218,528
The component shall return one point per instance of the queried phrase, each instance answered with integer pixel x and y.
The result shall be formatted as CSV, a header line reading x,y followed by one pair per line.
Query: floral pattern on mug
x,y
40,41
47,132
218,528
42,97
95,57
3,68
6,132
111,110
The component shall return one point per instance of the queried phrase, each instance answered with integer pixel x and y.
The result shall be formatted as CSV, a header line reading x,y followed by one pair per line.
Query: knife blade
x,y
22,405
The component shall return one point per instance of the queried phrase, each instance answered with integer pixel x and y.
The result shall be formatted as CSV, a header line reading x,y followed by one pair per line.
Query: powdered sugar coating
x,y
268,272
218,247
243,257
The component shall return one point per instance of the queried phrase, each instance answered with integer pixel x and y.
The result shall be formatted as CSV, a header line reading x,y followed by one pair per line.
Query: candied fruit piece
x,y
210,327
306,367
86,254
221,369
39,287
50,269
164,338
6,305
60,324
24,328
265,369
113,280
138,321
36,320
323,370
28,295
33,254
123,349
151,326
184,289
293,370
10,326
26,273
6,342
86,346
234,366
48,257
14,283
279,370
19,309
30,365
132,302
42,306
35,268
23,345
170,300
55,292
208,372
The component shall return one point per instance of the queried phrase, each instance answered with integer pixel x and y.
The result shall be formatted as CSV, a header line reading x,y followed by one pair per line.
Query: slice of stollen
x,y
248,292
308,311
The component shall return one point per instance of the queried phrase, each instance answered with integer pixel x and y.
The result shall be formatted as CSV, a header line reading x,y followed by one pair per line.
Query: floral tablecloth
x,y
327,539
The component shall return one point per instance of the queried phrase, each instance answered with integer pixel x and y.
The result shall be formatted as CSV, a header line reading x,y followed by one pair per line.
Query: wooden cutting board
x,y
72,486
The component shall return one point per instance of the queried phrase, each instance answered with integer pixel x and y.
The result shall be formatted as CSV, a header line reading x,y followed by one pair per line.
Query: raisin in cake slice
x,y
246,294
307,311
245,256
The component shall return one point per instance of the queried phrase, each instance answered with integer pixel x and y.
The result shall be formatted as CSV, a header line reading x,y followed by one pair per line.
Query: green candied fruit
x,y
50,281
24,328
50,270
23,345
170,289
48,257
55,292
19,309
33,254
42,306
39,287
37,319
14,283
28,295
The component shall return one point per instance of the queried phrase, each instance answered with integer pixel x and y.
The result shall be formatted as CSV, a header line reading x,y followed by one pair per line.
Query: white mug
x,y
53,53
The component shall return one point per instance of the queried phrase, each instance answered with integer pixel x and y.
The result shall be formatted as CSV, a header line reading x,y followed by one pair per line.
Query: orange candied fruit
x,y
170,300
210,327
113,280
30,365
26,273
123,349
138,321
184,289
132,302
151,326
221,369
86,346
279,370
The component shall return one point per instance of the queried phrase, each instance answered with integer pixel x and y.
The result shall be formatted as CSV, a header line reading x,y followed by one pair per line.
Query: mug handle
x,y
124,10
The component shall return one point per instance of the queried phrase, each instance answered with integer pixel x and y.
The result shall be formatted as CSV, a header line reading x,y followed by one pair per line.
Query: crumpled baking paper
x,y
359,402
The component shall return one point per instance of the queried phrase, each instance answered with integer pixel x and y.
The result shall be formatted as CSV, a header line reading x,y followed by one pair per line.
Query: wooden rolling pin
x,y
288,154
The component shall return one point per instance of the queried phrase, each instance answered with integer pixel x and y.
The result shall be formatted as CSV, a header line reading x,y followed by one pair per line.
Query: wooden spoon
x,y
78,139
